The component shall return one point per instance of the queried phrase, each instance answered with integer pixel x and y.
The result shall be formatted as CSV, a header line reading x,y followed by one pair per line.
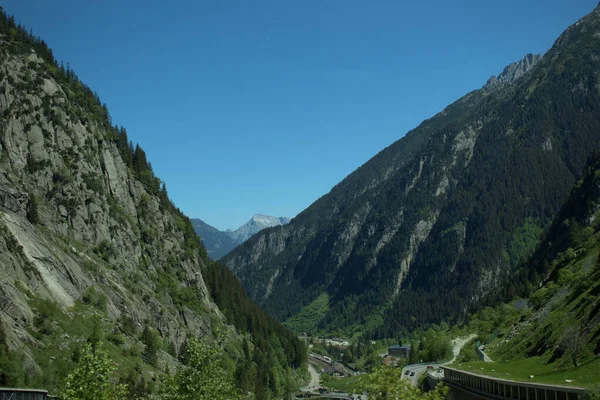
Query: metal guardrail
x,y
23,394
498,388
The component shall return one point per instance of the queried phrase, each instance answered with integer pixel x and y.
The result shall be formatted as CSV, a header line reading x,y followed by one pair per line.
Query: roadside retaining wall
x,y
502,389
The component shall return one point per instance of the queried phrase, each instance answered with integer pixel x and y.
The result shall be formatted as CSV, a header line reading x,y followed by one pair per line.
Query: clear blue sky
x,y
248,107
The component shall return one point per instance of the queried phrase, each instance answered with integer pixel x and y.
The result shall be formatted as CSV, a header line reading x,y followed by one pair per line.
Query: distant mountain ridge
x,y
256,224
219,243
514,71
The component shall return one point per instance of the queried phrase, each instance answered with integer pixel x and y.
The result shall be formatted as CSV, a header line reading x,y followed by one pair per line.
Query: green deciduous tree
x,y
573,343
94,378
385,383
202,378
435,346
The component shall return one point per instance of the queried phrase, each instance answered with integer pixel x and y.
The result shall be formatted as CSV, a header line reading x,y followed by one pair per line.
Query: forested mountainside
x,y
432,223
566,322
557,325
218,243
92,249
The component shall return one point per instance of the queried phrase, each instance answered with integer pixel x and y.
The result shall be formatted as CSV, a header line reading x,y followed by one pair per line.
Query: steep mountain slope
x,y
436,220
91,247
554,331
218,243
566,307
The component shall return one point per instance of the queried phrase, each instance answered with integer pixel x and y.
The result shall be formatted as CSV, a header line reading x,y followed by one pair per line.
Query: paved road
x,y
417,369
314,379
420,368
458,345
314,383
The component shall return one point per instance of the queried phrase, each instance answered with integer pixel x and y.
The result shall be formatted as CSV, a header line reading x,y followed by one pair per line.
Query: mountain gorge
x,y
219,243
447,214
92,249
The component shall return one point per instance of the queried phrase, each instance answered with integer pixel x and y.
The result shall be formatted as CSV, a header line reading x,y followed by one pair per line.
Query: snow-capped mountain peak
x,y
257,223
218,243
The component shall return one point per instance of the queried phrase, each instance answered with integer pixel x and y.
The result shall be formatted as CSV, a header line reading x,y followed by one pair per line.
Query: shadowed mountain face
x,y
218,243
447,213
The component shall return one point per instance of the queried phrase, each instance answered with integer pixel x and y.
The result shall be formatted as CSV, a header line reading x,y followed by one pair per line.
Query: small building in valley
x,y
399,351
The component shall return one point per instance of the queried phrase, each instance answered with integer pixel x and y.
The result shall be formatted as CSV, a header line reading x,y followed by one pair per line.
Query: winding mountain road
x,y
315,380
420,368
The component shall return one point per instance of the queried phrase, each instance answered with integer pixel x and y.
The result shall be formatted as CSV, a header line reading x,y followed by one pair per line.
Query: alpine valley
x,y
434,223
478,231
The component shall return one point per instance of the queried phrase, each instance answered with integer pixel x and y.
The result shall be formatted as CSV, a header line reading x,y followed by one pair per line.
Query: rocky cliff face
x,y
514,71
74,215
436,220
93,250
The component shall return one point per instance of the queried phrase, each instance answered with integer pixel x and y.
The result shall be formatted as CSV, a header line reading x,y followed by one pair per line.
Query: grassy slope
x,y
348,384
529,337
544,372
307,320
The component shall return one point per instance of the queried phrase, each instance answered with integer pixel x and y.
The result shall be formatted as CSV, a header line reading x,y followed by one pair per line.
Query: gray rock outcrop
x,y
74,216
514,71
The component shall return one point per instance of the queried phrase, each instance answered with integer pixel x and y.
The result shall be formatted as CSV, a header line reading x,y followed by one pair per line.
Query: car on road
x,y
412,374
429,367
407,372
